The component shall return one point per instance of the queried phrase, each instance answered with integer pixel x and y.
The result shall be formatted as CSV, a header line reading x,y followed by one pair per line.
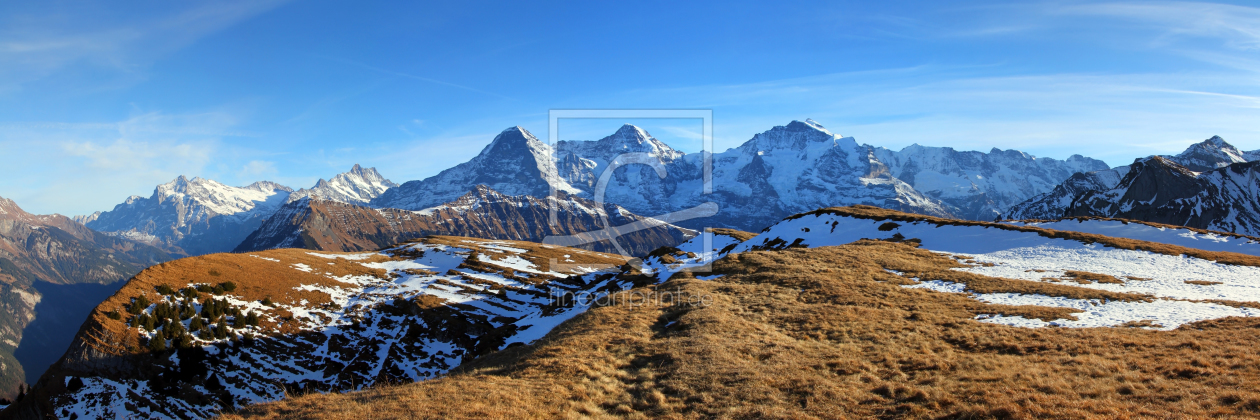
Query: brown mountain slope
x,y
827,333
482,213
53,249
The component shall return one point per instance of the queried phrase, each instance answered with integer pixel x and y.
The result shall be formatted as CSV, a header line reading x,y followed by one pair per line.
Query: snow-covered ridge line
x,y
1207,240
877,214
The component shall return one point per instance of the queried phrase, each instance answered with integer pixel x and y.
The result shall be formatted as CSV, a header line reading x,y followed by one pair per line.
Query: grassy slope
x,y
827,333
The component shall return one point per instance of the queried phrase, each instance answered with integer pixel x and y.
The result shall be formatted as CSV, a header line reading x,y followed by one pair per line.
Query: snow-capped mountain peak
x,y
1209,154
627,139
197,215
514,163
359,185
797,135
222,199
515,138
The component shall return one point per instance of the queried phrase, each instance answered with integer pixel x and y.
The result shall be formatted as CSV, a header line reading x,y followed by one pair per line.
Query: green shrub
x,y
196,323
165,290
157,344
228,286
114,315
138,305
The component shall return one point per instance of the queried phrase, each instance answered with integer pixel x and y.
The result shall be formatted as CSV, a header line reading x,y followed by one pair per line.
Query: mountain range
x,y
785,170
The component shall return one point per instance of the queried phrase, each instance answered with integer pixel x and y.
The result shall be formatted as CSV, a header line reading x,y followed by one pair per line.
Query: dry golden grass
x,y
827,333
739,235
1085,277
1203,282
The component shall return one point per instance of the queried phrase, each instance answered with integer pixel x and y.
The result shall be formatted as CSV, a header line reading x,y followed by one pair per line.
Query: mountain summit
x,y
1210,154
359,185
515,163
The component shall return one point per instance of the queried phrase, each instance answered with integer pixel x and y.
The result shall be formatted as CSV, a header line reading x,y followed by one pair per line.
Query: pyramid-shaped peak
x,y
515,141
806,126
1216,141
515,135
631,130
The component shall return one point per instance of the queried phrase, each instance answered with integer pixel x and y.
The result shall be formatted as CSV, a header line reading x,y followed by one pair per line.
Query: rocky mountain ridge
x,y
481,213
1211,185
359,185
193,216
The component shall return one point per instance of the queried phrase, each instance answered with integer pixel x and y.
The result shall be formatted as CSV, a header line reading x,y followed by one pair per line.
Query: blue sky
x,y
100,101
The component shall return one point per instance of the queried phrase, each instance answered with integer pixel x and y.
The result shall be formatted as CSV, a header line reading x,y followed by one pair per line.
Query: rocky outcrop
x,y
1161,191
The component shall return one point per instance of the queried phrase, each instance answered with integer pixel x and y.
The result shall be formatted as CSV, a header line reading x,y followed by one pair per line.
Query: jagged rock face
x,y
53,249
1053,204
1162,191
1164,178
197,216
339,322
981,186
357,186
515,163
482,213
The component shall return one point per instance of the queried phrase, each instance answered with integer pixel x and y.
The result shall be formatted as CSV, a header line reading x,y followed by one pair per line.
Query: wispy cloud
x,y
1237,26
84,167
32,48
